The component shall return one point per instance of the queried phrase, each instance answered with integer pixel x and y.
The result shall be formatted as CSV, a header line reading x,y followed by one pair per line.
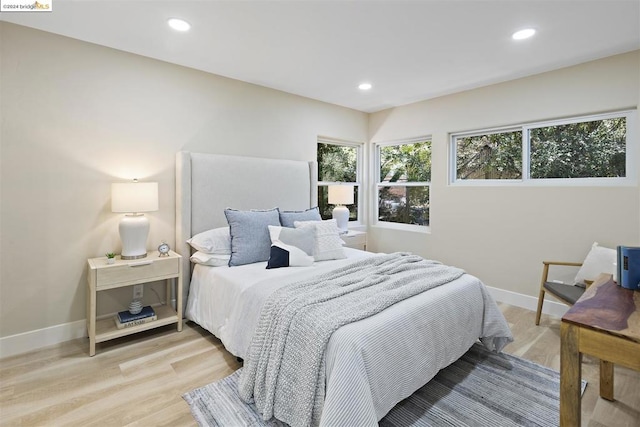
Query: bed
x,y
369,365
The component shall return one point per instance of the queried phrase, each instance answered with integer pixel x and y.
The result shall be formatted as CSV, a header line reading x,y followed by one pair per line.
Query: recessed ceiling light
x,y
364,86
179,24
523,34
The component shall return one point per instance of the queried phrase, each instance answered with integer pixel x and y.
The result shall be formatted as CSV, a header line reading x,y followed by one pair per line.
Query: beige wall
x,y
76,117
502,234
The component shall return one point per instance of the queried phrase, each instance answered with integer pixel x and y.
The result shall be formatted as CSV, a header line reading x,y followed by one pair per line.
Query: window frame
x,y
630,155
359,146
377,183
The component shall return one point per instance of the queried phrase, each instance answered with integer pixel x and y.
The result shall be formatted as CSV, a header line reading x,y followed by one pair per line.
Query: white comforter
x,y
371,364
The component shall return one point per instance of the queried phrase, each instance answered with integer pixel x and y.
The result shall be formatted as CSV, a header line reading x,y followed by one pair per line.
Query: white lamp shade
x,y
132,197
340,194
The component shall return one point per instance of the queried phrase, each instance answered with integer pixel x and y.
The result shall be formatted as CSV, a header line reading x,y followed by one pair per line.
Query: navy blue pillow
x,y
279,258
283,255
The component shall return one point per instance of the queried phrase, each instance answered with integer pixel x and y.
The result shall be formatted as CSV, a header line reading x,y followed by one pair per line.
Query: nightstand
x,y
103,276
355,239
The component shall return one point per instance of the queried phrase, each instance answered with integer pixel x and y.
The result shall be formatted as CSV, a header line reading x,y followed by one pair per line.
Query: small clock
x,y
164,249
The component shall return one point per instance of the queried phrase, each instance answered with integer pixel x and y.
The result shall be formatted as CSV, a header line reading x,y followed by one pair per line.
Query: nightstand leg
x,y
91,318
168,291
179,297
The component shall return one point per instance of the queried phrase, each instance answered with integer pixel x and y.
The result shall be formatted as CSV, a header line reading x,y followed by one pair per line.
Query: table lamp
x,y
133,198
341,195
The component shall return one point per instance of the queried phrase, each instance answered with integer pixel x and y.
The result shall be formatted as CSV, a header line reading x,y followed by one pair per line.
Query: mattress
x,y
216,291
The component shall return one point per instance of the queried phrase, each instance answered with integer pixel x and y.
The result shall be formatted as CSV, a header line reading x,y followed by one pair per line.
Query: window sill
x,y
403,227
548,182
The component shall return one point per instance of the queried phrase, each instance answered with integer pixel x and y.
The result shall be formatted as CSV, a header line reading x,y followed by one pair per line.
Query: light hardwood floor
x,y
139,380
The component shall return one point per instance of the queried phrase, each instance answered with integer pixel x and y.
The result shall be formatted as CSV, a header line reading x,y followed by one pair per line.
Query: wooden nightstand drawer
x,y
134,271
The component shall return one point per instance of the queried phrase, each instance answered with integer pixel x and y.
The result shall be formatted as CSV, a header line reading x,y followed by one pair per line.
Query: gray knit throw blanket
x,y
284,372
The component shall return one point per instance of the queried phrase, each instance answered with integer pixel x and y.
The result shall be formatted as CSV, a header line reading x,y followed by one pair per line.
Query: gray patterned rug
x,y
479,389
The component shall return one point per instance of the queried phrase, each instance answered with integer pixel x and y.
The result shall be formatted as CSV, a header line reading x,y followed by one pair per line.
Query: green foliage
x,y
490,156
337,163
405,163
588,149
110,255
579,150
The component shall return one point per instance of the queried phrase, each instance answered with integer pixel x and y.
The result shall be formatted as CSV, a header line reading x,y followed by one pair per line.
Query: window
x,y
403,181
489,156
583,147
338,161
592,149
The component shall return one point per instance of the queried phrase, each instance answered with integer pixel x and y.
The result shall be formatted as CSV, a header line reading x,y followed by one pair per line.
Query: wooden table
x,y
605,323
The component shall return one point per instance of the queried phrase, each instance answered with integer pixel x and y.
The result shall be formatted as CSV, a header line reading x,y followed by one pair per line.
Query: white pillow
x,y
210,259
599,260
328,244
215,241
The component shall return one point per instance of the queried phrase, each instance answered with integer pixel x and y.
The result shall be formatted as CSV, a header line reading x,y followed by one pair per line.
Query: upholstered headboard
x,y
206,184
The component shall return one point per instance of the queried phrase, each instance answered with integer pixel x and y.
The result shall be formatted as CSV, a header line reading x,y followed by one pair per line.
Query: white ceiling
x,y
408,50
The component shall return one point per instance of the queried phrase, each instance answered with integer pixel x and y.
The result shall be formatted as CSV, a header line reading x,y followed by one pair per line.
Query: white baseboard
x,y
34,340
549,307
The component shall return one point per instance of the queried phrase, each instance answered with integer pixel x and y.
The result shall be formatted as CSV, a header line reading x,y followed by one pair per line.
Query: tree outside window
x,y
489,156
583,147
593,149
403,182
337,162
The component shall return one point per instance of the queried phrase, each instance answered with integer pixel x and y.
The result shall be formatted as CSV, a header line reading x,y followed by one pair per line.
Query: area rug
x,y
479,389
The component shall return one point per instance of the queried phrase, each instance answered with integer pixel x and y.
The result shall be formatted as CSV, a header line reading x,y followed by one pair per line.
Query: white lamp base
x,y
134,230
341,215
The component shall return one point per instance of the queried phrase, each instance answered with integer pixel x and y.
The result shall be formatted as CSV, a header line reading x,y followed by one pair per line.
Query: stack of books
x,y
125,319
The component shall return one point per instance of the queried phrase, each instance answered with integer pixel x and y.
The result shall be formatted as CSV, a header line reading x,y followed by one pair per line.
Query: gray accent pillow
x,y
301,238
287,218
250,241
